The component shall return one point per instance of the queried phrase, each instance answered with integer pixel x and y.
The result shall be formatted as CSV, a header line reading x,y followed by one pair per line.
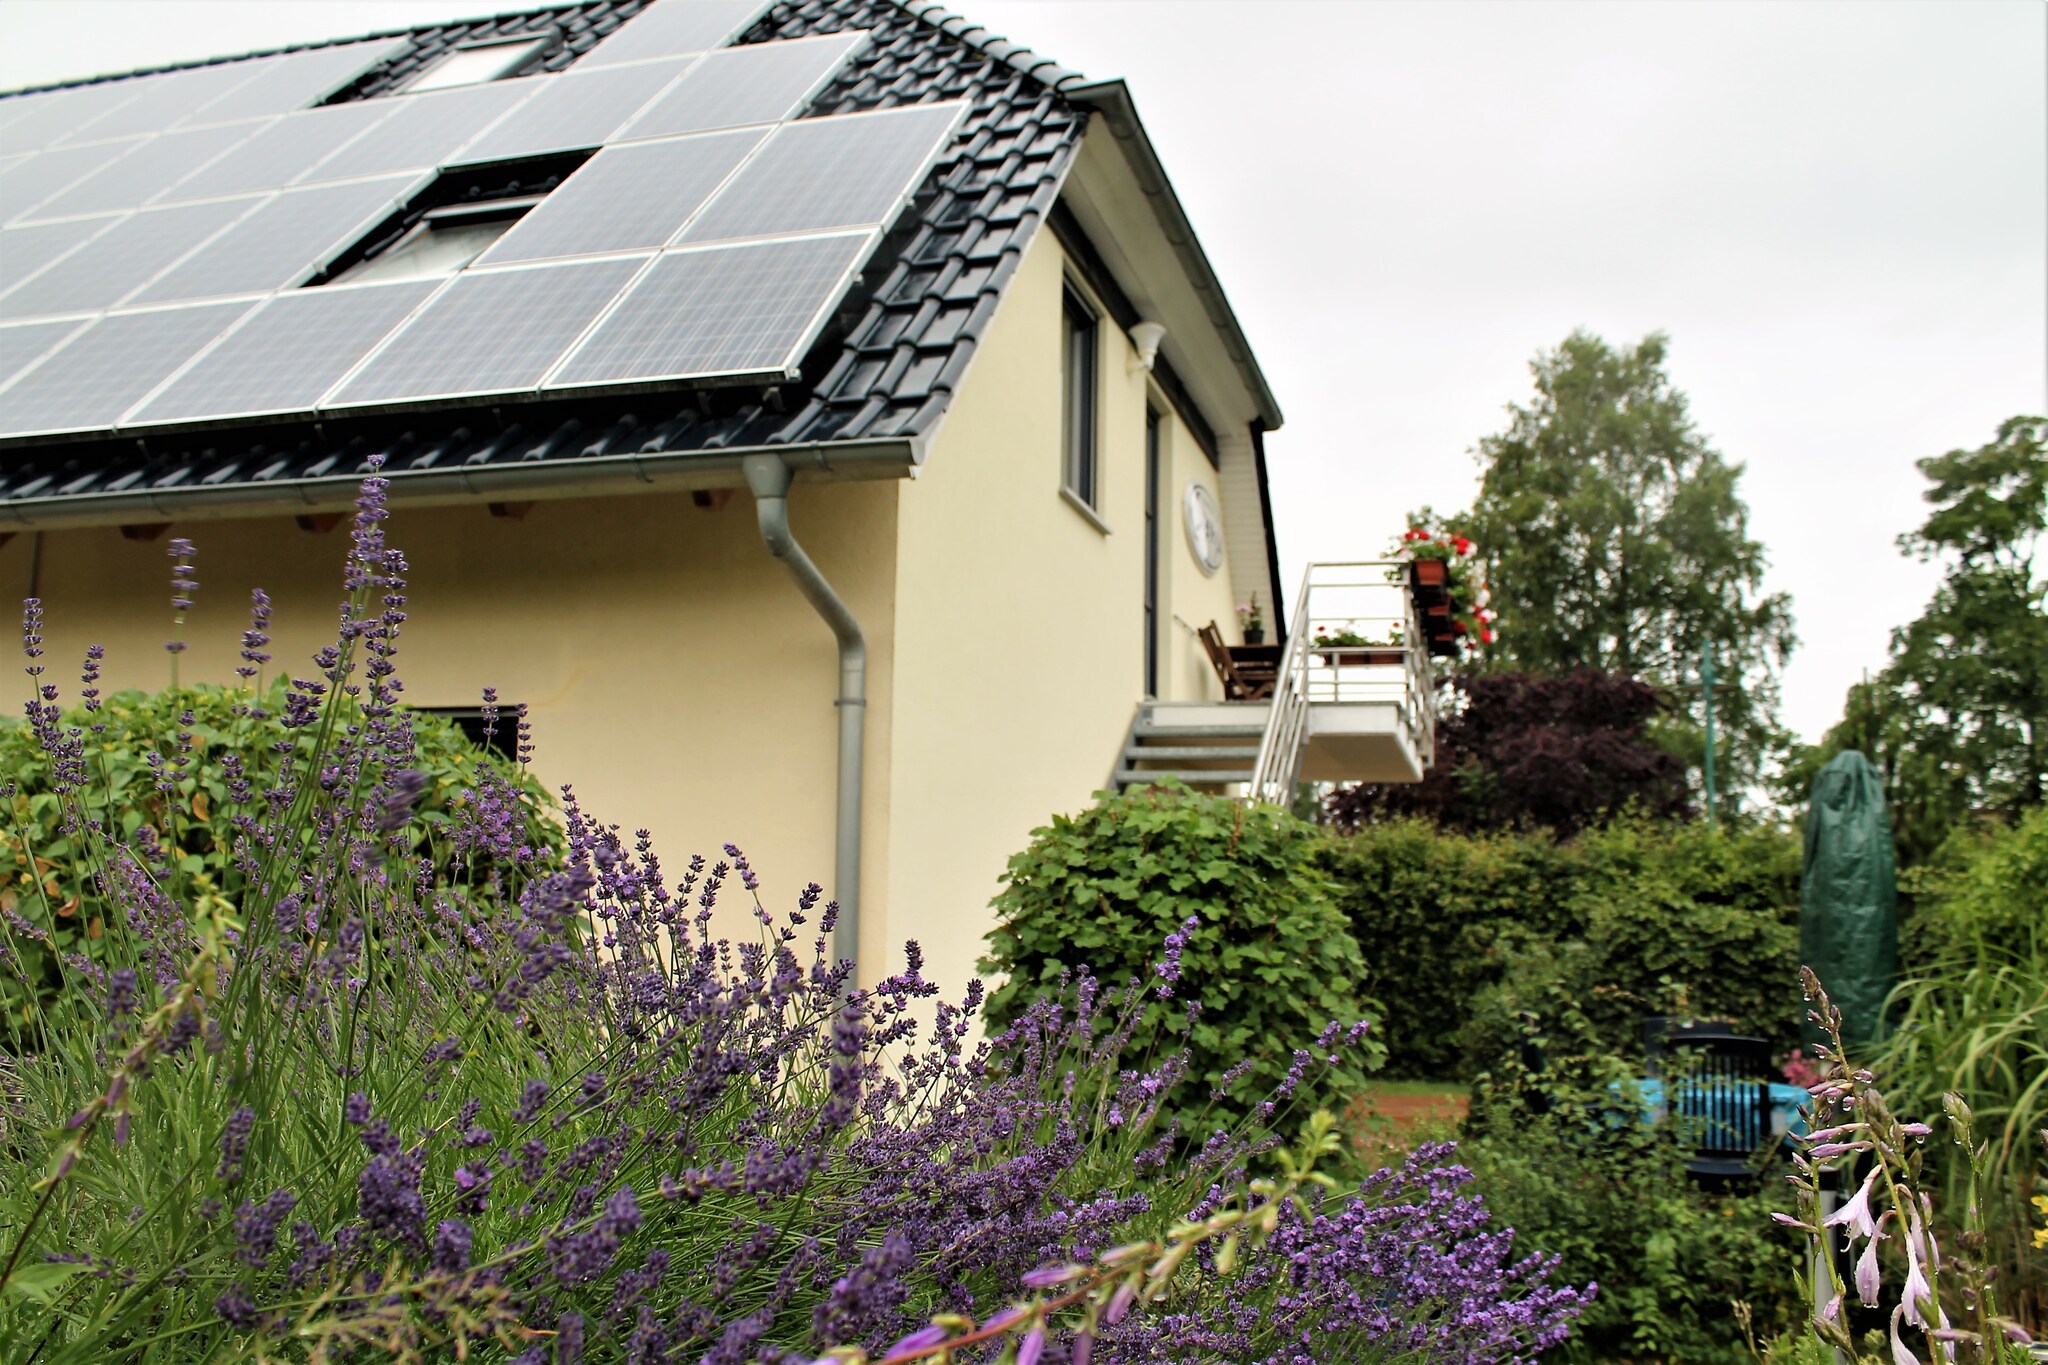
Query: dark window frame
x,y
1080,399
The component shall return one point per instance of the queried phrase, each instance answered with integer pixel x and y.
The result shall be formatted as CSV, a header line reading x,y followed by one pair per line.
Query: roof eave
x,y
1112,99
588,476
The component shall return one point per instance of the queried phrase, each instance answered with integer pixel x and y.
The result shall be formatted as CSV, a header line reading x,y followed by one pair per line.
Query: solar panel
x,y
424,130
25,250
492,331
298,80
35,118
744,309
293,349
82,105
144,173
760,83
30,182
23,344
120,260
574,111
625,198
161,101
283,242
282,152
672,27
108,367
851,171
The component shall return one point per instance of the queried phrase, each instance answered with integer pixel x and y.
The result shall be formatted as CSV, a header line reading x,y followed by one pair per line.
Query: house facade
x,y
871,616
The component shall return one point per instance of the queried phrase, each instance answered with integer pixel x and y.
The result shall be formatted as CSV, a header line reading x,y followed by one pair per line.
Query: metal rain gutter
x,y
768,476
578,476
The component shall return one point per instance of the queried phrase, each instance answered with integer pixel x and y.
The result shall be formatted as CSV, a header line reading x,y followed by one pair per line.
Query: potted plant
x,y
1347,646
1449,587
1252,621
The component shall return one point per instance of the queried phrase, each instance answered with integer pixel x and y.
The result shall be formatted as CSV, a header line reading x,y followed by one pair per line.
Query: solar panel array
x,y
151,275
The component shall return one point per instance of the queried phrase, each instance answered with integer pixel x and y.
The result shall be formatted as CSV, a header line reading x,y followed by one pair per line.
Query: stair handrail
x,y
1287,723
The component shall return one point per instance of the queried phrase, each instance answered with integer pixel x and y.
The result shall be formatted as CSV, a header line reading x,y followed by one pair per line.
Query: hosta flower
x,y
1855,1214
1866,1273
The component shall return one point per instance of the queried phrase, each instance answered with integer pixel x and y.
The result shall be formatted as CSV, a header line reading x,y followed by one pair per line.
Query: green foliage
x,y
1958,720
1975,1023
1271,962
1984,886
1561,1155
137,745
1469,932
1617,540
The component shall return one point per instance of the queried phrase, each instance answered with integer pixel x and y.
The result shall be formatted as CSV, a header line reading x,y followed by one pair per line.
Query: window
x,y
500,738
476,65
442,242
1077,399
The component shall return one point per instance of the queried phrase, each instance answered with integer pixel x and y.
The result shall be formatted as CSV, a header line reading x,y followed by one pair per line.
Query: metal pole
x,y
1707,686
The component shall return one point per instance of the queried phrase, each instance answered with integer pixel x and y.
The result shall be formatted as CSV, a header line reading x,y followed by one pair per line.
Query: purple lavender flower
x,y
234,1143
236,1308
256,1226
1168,967
256,637
184,585
451,1247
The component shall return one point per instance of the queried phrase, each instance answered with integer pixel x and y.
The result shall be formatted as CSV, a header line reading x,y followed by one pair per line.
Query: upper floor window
x,y
1080,335
477,64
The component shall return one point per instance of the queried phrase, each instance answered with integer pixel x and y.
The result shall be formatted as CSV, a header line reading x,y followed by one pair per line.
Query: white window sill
x,y
1088,514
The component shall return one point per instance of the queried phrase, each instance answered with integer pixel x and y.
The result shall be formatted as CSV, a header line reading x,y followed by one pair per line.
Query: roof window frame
x,y
534,44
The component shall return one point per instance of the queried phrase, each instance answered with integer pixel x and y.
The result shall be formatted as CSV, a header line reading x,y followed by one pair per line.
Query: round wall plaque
x,y
1204,528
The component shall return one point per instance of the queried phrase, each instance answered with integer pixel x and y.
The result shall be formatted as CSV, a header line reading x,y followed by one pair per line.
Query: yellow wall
x,y
1189,599
675,676
1020,622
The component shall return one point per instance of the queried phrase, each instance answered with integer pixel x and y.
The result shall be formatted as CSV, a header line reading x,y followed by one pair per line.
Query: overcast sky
x,y
1839,212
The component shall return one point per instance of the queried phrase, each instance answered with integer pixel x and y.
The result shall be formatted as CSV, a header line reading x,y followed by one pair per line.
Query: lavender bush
x,y
541,1113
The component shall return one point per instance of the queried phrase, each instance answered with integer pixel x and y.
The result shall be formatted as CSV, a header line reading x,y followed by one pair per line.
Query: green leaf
x,y
40,1280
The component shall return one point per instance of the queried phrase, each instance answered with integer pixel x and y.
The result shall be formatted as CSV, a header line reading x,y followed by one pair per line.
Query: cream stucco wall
x,y
1020,621
674,674
1189,599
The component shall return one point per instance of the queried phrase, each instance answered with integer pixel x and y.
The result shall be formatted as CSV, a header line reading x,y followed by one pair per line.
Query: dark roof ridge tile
x,y
1013,55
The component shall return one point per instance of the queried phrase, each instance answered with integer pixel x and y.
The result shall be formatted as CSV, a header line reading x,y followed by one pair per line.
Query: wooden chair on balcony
x,y
1242,681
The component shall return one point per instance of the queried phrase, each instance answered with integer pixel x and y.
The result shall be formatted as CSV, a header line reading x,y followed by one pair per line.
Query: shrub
x,y
1636,918
155,759
1268,956
1983,886
1558,1148
1527,751
397,1115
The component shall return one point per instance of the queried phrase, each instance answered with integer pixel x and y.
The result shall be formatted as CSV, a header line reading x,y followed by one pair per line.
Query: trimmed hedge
x,y
1635,918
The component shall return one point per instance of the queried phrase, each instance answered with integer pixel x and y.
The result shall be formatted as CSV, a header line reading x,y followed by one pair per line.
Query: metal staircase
x,y
1208,745
1354,700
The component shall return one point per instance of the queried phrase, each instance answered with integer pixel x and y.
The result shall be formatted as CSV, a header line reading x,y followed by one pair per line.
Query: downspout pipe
x,y
768,478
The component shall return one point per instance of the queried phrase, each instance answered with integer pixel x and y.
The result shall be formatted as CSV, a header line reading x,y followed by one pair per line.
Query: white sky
x,y
1839,211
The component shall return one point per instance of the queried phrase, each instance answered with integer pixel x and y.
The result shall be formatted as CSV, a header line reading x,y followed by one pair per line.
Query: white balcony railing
x,y
1324,664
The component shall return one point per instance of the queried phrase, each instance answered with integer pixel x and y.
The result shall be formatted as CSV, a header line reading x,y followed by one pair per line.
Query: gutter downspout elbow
x,y
768,478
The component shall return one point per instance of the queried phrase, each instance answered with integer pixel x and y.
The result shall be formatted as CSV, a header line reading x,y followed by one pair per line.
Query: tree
x,y
1958,719
1520,751
1616,540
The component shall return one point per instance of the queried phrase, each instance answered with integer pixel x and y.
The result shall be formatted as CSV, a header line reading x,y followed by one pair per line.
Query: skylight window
x,y
442,242
477,65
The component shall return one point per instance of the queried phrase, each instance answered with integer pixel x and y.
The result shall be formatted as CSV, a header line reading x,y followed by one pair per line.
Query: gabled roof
x,y
872,387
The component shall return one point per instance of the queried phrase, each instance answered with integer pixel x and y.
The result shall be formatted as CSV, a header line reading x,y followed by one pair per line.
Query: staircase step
x,y
1154,752
1148,729
1194,777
